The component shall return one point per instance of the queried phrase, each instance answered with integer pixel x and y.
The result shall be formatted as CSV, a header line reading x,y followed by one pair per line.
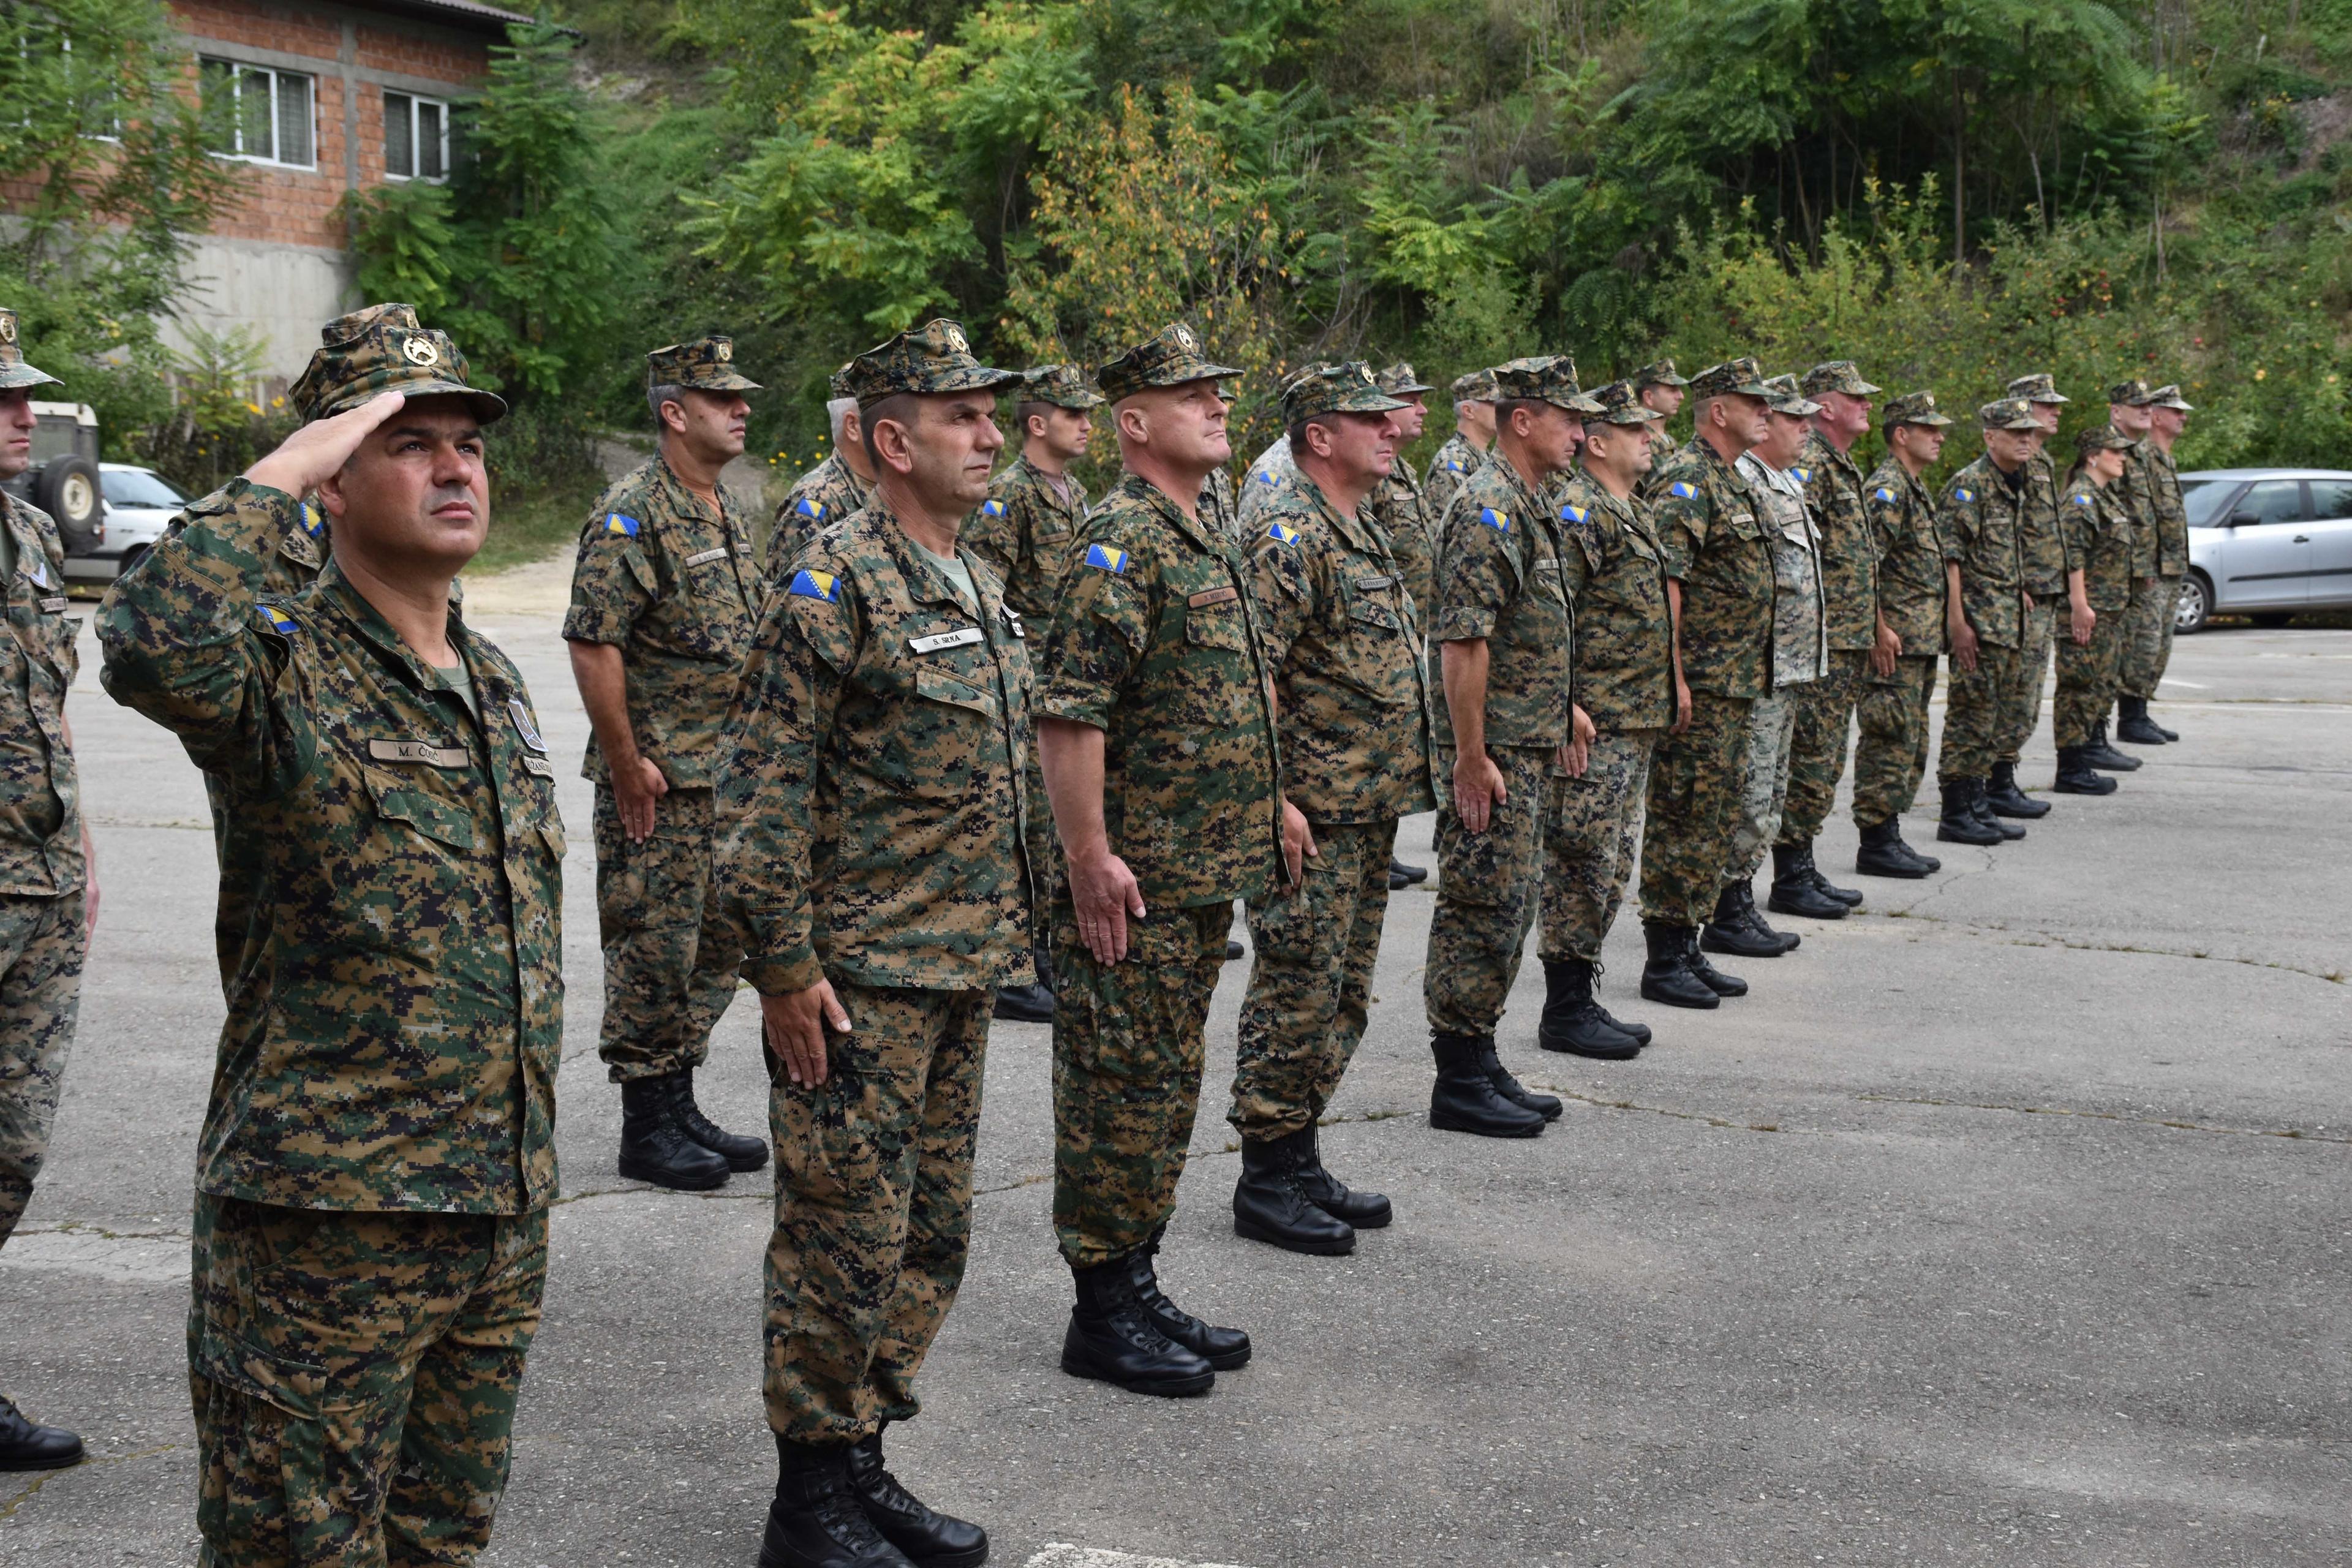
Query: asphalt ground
x,y
2005,1222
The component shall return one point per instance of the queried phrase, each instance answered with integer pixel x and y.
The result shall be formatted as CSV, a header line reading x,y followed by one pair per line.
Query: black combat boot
x,y
741,1153
1665,977
1641,1032
1490,1062
655,1145
1365,1211
1960,824
1271,1204
1571,1019
928,1537
1464,1099
1113,1339
26,1444
1850,897
1753,918
1223,1349
2076,776
2132,724
2006,799
1234,951
1402,875
1883,852
1729,931
1981,807
1706,973
817,1520
2101,755
1793,893
1030,1003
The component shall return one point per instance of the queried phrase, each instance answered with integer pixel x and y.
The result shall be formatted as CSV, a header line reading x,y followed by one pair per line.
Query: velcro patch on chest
x,y
1013,621
539,765
1282,534
1212,596
53,607
938,641
419,751
704,557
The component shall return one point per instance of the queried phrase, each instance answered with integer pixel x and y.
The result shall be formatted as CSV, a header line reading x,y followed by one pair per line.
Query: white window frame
x,y
243,71
414,142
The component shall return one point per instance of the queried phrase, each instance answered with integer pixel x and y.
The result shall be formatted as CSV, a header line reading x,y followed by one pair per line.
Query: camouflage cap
x,y
705,363
1399,380
2038,387
2092,439
1170,357
2131,393
1657,373
935,357
1477,386
14,372
1912,408
1732,378
1782,396
1544,378
1837,375
1620,403
1063,385
2008,413
2169,398
383,348
837,384
1334,388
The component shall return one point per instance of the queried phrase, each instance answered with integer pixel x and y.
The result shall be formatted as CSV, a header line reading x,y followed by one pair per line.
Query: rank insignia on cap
x,y
523,726
1683,488
1282,534
811,508
807,584
1498,521
991,509
1573,513
419,351
280,622
1962,492
626,526
1105,558
2083,499
1883,493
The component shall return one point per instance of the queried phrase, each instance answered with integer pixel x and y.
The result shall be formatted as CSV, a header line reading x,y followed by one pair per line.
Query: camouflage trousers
x,y
1128,1048
669,976
2147,647
1696,783
1488,885
873,1209
1976,709
1310,981
1817,743
2036,633
41,943
1592,838
1771,730
2086,679
1890,755
354,1378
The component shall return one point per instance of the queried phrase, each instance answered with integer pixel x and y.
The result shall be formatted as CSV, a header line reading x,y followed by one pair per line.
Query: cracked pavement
x,y
2008,1222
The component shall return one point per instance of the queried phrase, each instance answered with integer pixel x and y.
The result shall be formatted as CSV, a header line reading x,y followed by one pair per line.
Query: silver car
x,y
138,503
2265,543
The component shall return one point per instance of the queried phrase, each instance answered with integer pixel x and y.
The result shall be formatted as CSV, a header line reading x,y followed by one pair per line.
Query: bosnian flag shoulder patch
x,y
1883,493
1684,489
1102,557
808,585
1282,534
1498,521
622,524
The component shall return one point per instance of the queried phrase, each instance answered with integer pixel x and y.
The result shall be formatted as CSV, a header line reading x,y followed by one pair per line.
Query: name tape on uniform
x,y
704,557
1214,597
940,640
419,751
1368,584
539,765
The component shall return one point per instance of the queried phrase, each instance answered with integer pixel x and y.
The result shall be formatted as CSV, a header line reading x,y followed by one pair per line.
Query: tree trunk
x,y
1960,175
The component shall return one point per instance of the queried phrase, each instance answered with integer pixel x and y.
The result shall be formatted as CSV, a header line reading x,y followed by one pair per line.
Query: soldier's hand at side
x,y
317,453
89,885
1477,790
795,1025
1297,842
636,787
2086,621
1106,895
1885,651
1964,645
1682,706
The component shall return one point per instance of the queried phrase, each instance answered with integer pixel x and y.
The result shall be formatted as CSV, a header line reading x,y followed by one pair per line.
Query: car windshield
x,y
2203,498
137,487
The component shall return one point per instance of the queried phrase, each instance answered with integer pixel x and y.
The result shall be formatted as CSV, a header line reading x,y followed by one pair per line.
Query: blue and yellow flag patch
x,y
1962,492
2083,500
1453,465
1498,521
1282,534
811,508
1573,513
1883,493
807,584
1104,558
280,622
991,509
1802,476
311,521
626,526
1684,489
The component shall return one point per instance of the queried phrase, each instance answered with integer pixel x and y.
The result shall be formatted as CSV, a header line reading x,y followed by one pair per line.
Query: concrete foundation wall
x,y
282,293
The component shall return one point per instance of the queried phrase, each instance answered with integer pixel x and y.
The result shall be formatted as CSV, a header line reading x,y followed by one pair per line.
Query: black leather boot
x,y
2076,776
1112,1338
1464,1099
1850,897
2132,724
1490,1062
1030,1003
1223,1349
1571,1019
1729,931
2101,755
1234,951
1753,918
1793,891
741,1153
1960,824
1883,852
2006,799
817,1520
1402,875
1706,973
1365,1211
1981,807
655,1145
1641,1032
1270,1203
1665,977
928,1537
26,1444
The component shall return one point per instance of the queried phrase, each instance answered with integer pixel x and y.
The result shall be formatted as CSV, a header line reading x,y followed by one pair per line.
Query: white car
x,y
138,503
2265,543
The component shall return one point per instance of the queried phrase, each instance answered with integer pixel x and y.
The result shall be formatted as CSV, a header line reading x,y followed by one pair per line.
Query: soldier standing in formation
x,y
1662,390
2045,570
665,594
1158,740
1463,452
1344,642
1982,512
2101,544
49,872
2150,648
827,493
1400,509
871,783
378,1157
2131,413
1890,753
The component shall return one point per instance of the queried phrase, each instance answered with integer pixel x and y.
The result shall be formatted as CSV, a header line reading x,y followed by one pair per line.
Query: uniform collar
x,y
30,548
682,493
1199,530
336,589
925,583
1030,473
1819,448
1352,528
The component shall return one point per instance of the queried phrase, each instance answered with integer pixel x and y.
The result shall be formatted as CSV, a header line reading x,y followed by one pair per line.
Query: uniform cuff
x,y
1087,705
1457,624
795,971
593,626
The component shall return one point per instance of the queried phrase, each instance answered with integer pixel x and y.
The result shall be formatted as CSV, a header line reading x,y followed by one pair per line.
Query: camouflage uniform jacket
x,y
1503,576
1448,472
1156,643
1980,510
1910,546
1358,742
2100,541
1717,548
1395,505
1271,477
394,1042
2041,552
2169,508
824,496
1617,581
1022,531
300,557
1220,506
1800,629
672,587
872,789
2136,498
40,794
1849,559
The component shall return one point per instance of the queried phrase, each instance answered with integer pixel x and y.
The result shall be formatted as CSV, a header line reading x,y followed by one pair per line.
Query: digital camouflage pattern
x,y
1455,461
1710,522
1220,507
873,1210
1616,576
2137,501
2102,539
1890,754
829,493
935,357
669,959
1063,385
2170,508
1910,542
1312,949
395,1043
2149,649
2041,540
704,364
380,349
1695,787
1502,576
1764,790
1270,476
1975,712
1592,838
1396,507
1800,629
2037,630
13,370
1155,643
1488,887
1817,741
41,945
354,1378
872,785
1022,531
1172,357
40,792
1833,489
1980,510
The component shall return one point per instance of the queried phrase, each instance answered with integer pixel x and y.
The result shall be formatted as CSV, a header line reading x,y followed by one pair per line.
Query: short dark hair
x,y
1295,433
1510,405
1030,408
663,392
898,405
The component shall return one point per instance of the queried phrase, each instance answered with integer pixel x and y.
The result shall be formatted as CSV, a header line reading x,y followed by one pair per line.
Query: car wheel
x,y
69,491
2196,606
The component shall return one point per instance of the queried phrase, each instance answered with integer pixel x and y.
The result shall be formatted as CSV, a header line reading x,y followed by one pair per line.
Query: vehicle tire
x,y
2270,620
68,491
2195,610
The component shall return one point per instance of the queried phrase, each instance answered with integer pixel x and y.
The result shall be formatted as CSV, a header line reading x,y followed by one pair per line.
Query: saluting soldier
x,y
1663,392
870,784
2044,565
48,873
1890,752
1982,511
827,493
2151,646
378,1155
2102,539
1475,398
1158,737
665,594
